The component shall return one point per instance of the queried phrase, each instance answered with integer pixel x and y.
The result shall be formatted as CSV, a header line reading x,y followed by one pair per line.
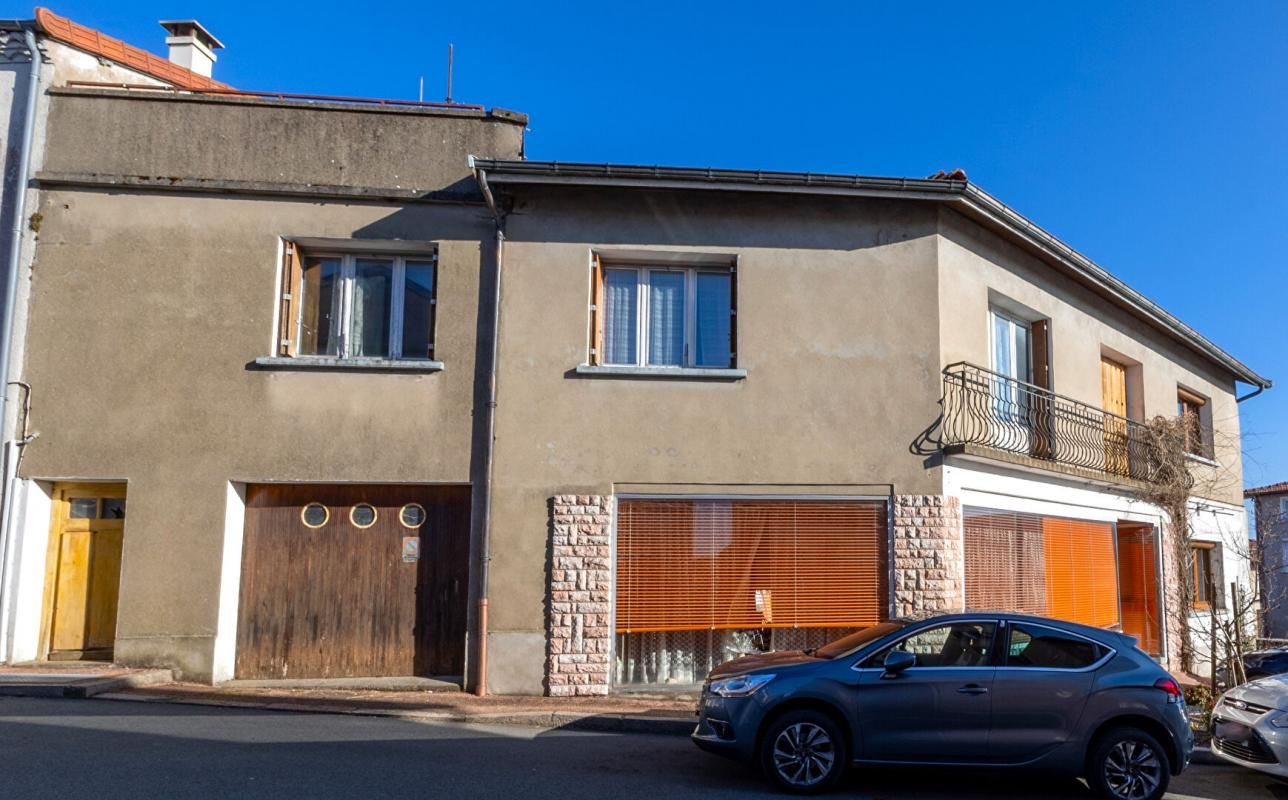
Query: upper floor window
x,y
1197,421
662,315
357,305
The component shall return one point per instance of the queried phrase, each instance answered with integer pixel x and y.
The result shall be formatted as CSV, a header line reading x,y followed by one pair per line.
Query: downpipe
x,y
6,335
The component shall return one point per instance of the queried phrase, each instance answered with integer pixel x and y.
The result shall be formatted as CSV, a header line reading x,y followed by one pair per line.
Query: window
x,y
357,305
314,515
1283,506
962,644
1011,358
1050,566
701,581
1040,647
1202,556
412,515
1193,410
662,316
363,515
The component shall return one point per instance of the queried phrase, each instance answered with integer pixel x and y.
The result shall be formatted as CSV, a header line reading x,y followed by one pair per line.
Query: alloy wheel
x,y
804,754
1133,770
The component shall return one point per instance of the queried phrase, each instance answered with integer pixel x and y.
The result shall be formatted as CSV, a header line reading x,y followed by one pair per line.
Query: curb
x,y
564,720
89,687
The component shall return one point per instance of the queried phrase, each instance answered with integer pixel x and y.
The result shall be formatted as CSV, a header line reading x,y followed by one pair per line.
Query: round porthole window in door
x,y
363,515
412,515
314,515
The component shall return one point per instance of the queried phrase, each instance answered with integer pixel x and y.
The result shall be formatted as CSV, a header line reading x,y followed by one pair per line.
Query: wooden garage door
x,y
340,598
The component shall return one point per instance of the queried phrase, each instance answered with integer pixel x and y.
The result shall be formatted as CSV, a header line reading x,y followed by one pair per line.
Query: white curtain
x,y
621,288
666,319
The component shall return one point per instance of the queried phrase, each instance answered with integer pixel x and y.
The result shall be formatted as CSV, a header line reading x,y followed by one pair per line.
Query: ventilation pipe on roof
x,y
191,45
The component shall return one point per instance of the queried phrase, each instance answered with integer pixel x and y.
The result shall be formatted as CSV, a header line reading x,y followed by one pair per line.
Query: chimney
x,y
191,45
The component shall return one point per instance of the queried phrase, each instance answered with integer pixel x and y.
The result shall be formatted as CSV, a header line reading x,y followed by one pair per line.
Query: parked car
x,y
1250,725
972,690
1273,661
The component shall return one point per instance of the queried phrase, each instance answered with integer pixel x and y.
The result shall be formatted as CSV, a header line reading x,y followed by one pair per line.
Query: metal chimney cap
x,y
190,27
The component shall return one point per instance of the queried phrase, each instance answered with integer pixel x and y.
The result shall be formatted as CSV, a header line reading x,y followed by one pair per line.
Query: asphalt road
x,y
112,749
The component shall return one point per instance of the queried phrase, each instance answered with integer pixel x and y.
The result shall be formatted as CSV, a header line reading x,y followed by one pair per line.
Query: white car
x,y
1250,725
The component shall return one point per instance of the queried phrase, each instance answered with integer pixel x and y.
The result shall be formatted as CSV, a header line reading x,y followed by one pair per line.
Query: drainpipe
x,y
485,489
6,333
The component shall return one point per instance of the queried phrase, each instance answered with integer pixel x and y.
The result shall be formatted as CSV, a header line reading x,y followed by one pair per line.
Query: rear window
x,y
1040,647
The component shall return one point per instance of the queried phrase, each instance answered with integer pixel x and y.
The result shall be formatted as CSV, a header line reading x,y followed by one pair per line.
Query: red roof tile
x,y
91,41
1274,488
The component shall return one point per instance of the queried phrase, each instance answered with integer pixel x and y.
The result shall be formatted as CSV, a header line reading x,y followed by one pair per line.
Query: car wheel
x,y
804,752
1128,764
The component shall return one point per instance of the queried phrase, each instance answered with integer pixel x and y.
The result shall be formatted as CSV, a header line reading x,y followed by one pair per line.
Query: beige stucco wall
x,y
974,262
154,135
148,311
836,329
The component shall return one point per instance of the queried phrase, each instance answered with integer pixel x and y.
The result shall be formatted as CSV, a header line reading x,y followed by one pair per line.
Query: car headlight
x,y
740,686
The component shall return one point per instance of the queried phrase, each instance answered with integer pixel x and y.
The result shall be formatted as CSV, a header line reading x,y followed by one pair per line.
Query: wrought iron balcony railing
x,y
990,410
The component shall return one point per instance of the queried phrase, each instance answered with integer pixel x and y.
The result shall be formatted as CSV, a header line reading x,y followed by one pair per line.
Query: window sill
x,y
1201,459
672,373
347,364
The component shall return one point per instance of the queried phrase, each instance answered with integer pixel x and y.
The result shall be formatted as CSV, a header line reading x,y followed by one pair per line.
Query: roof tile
x,y
99,44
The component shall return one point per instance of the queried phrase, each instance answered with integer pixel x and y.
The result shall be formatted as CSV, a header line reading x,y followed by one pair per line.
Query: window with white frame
x,y
663,316
358,305
1011,358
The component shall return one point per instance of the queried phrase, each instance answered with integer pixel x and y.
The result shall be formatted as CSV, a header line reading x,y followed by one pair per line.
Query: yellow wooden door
x,y
84,574
1113,388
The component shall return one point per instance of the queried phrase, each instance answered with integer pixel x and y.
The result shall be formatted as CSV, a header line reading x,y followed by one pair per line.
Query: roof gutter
x,y
959,193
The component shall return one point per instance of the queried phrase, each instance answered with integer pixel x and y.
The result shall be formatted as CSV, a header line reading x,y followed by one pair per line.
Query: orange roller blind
x,y
1139,584
729,564
1055,567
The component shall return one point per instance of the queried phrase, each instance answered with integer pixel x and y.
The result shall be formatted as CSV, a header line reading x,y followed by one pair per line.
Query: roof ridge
x,y
136,58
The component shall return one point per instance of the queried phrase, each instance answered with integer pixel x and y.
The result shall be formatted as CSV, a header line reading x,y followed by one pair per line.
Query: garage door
x,y
353,581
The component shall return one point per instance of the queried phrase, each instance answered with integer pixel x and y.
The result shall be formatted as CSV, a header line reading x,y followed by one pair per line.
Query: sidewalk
x,y
660,715
75,679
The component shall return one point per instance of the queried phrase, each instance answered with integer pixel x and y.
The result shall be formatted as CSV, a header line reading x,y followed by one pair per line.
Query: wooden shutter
x,y
1051,566
596,309
1040,344
1113,390
287,345
739,564
1137,578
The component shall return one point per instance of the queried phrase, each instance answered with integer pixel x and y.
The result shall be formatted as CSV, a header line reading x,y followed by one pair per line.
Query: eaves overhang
x,y
962,195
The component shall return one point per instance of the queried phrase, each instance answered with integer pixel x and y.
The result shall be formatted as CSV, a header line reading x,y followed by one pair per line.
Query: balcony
x,y
989,415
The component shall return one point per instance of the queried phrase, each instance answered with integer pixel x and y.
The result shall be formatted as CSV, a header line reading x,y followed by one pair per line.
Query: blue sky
x,y
1149,136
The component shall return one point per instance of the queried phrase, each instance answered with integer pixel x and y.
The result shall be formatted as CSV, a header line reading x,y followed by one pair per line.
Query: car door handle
x,y
973,688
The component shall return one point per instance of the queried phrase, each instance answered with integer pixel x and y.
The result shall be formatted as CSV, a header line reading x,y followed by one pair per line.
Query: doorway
x,y
83,572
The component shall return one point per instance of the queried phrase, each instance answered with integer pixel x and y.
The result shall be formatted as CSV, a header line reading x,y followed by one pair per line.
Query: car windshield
x,y
853,641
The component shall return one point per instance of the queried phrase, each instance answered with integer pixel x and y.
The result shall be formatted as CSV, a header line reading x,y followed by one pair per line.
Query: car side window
x,y
1047,648
961,644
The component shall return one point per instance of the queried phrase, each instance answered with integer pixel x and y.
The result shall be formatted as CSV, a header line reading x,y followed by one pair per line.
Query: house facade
x,y
382,397
1270,515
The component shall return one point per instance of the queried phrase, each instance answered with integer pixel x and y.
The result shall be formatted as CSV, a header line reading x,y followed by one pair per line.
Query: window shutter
x,y
596,309
689,565
733,316
287,344
1040,343
1139,585
1219,584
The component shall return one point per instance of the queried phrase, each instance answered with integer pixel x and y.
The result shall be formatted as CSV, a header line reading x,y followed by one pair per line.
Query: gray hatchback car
x,y
981,689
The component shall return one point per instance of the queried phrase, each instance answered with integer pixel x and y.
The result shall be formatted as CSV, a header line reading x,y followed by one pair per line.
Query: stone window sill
x,y
671,373
1195,457
326,363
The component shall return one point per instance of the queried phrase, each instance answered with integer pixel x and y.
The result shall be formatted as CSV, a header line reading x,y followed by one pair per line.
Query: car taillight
x,y
1172,688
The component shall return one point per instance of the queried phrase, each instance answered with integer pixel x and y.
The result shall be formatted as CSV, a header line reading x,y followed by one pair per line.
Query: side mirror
x,y
896,662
